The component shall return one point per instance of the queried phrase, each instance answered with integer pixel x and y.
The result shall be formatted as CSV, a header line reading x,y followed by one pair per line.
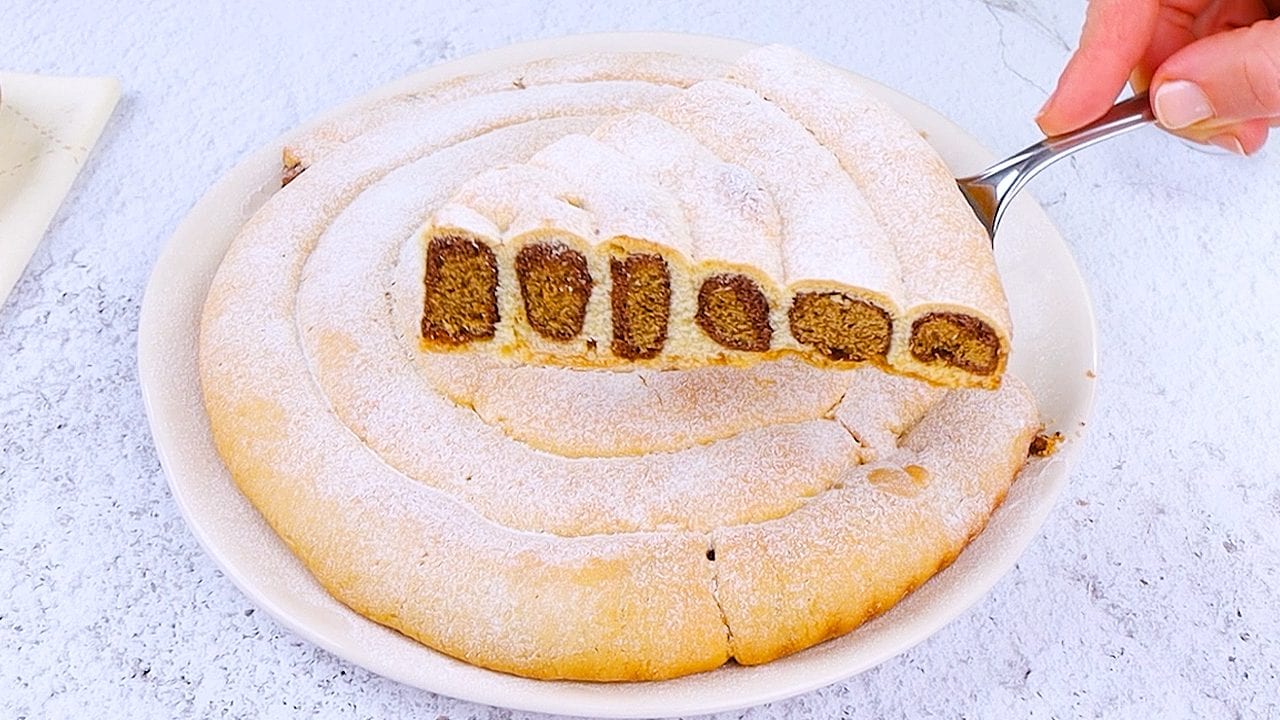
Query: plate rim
x,y
541,695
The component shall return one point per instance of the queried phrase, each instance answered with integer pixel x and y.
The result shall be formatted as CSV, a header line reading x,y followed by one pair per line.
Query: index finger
x,y
1115,36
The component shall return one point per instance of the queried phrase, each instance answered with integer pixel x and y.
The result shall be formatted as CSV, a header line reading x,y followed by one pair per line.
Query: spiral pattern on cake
x,y
561,522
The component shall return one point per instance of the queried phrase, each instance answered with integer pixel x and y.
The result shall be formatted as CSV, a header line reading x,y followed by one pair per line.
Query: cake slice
x,y
955,323
779,211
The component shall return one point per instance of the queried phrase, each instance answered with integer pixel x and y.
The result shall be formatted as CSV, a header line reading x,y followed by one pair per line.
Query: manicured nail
x,y
1180,103
1040,117
1228,142
1043,108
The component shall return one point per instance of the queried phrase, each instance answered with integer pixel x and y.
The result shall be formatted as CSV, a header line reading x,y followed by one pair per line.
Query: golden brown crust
x,y
419,562
817,574
479,518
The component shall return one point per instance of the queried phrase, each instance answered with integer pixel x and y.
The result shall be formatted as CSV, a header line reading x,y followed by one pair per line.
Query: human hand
x,y
1212,68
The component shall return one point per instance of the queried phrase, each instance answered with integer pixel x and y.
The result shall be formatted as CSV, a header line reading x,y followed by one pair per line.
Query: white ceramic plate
x,y
1054,351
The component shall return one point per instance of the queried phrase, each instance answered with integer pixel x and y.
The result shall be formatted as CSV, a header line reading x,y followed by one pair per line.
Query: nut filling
x,y
641,304
956,340
841,327
460,304
734,312
555,286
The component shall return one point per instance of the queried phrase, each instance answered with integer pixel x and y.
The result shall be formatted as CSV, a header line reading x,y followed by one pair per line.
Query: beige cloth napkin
x,y
47,127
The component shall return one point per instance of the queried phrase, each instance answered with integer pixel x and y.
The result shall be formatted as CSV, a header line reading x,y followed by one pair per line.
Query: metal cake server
x,y
990,191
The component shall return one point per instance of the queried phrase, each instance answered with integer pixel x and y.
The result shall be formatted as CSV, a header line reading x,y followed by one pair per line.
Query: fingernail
x,y
1227,142
1039,119
1180,103
1045,107
1042,113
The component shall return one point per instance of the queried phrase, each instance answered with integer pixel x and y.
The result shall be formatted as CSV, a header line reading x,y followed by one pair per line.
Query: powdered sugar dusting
x,y
660,68
429,493
829,232
732,219
944,253
789,174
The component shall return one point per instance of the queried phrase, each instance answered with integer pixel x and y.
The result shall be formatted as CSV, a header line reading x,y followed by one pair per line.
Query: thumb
x,y
1220,81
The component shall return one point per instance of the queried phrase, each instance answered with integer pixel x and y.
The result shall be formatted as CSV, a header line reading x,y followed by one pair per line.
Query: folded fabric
x,y
48,125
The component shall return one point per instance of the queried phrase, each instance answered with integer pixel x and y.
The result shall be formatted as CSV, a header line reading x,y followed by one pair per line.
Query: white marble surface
x,y
1151,590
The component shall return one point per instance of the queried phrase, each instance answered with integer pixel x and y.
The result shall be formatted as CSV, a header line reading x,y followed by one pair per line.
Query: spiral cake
x,y
560,522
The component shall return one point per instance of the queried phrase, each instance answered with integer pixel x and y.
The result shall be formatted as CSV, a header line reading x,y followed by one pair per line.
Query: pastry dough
x,y
556,522
48,125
